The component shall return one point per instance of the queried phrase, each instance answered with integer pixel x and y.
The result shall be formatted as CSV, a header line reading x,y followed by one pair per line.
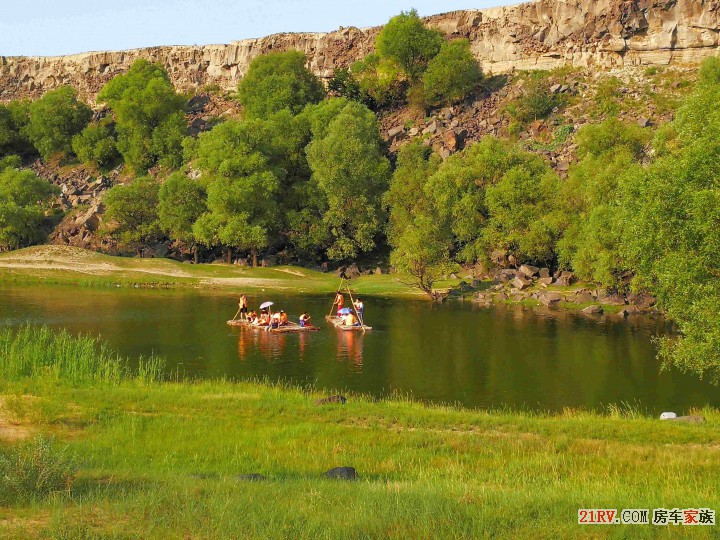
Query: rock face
x,y
543,34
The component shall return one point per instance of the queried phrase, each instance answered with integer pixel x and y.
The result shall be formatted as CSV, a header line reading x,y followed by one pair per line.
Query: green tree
x,y
421,241
242,181
24,201
349,168
181,202
14,117
149,114
96,144
592,201
379,79
278,81
407,41
452,75
671,239
476,190
54,119
132,212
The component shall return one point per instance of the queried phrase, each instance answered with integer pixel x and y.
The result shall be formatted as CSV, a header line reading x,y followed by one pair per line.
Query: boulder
x,y
450,139
342,473
529,271
499,258
545,281
394,132
432,128
378,271
543,273
550,298
642,300
593,310
562,282
613,299
691,419
520,283
159,251
584,297
352,271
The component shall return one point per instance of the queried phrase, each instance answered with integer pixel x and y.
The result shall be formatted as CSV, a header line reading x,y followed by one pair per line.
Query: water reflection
x,y
507,356
350,347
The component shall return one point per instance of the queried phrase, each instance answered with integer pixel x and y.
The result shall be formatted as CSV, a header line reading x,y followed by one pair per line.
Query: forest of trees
x,y
309,175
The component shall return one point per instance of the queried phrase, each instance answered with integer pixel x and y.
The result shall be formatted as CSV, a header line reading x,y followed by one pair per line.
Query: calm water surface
x,y
516,357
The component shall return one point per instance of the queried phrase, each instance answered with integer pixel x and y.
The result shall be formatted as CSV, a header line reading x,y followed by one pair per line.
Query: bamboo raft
x,y
338,323
288,328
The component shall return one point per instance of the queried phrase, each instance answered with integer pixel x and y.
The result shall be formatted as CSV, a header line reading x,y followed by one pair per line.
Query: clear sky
x,y
55,27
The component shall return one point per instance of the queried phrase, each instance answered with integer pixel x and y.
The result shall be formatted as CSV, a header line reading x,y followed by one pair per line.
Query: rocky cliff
x,y
543,34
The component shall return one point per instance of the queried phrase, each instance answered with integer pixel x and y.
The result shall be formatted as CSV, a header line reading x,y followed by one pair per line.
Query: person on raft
x,y
252,317
283,318
359,307
304,319
350,320
340,301
243,307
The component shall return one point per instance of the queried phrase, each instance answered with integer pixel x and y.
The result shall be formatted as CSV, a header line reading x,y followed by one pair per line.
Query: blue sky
x,y
55,27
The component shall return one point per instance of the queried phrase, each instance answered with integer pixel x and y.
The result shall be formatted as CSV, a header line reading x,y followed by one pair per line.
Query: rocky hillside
x,y
544,34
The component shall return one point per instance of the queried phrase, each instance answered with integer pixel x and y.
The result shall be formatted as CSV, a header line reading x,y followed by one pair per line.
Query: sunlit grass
x,y
161,460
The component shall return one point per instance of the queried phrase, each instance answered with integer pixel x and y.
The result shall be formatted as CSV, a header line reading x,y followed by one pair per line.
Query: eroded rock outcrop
x,y
538,35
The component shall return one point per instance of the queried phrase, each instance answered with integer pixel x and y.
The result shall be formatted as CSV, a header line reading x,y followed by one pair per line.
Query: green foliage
x,y
452,75
24,199
96,144
34,471
10,162
672,211
149,114
536,101
14,117
592,200
406,41
345,85
278,81
242,186
379,79
607,97
132,211
54,119
350,170
421,241
477,191
181,203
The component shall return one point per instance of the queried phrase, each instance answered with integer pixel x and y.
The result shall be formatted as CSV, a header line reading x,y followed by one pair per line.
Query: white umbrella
x,y
266,305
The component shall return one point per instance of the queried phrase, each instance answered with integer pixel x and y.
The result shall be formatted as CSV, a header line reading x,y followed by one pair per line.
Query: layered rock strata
x,y
543,34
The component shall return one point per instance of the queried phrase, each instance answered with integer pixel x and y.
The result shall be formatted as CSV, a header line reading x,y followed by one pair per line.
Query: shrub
x,y
34,471
452,75
148,113
406,41
379,79
278,81
96,144
54,119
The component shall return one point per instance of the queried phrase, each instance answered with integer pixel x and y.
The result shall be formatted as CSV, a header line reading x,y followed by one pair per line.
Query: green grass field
x,y
162,459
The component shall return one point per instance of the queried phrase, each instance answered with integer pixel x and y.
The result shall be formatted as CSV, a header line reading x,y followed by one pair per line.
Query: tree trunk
x,y
253,251
196,256
229,255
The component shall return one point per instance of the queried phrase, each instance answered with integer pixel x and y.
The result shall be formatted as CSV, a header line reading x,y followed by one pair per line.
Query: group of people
x,y
348,317
266,317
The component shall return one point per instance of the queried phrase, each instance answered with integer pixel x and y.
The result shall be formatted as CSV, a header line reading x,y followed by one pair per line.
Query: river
x,y
504,357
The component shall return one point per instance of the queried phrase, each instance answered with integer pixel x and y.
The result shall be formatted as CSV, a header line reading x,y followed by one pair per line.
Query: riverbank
x,y
166,459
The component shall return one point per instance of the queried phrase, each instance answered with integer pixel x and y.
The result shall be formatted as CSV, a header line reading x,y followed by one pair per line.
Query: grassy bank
x,y
60,265
161,460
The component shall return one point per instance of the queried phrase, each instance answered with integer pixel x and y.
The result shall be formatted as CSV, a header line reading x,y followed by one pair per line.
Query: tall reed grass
x,y
36,352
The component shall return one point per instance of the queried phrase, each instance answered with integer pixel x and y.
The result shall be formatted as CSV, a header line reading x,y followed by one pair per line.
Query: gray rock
x,y
520,283
612,300
529,271
543,273
342,473
378,271
545,281
394,132
593,310
584,297
550,298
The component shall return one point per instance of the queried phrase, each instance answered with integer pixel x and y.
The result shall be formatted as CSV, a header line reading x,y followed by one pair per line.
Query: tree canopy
x,y
451,75
54,119
149,114
278,81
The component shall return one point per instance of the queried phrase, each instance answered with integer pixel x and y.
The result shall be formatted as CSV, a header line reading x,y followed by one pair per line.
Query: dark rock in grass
x,y
332,399
342,473
252,477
